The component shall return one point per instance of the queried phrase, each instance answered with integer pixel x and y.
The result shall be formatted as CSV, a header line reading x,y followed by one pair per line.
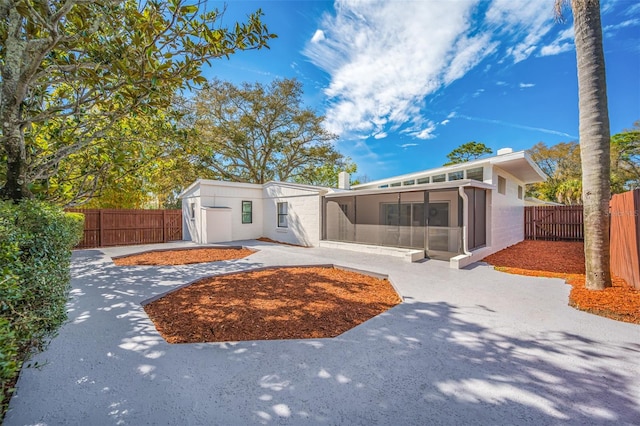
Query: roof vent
x,y
503,151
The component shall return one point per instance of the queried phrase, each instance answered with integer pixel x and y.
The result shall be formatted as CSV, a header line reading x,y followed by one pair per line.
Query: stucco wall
x,y
303,215
229,195
506,213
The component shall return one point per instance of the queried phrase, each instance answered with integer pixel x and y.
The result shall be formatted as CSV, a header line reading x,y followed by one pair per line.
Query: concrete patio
x,y
471,346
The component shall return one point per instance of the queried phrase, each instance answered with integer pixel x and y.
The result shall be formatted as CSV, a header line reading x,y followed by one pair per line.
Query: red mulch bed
x,y
279,303
182,257
559,259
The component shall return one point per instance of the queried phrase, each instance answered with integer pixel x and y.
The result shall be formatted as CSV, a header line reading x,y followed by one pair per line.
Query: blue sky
x,y
405,82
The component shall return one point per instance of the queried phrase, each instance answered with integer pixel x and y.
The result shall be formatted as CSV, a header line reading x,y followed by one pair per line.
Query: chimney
x,y
503,151
344,180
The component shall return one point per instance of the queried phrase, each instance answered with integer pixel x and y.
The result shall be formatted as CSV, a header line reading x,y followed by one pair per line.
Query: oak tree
x,y
256,133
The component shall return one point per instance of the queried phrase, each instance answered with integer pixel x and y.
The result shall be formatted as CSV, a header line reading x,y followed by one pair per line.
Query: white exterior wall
x,y
191,216
506,213
215,225
222,195
303,215
232,195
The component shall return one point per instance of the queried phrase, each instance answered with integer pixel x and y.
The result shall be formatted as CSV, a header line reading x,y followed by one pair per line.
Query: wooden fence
x,y
120,227
625,236
553,223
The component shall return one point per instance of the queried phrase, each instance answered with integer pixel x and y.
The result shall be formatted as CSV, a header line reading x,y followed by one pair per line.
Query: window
x,y
192,210
423,180
396,184
476,174
408,182
282,215
383,186
519,192
438,178
247,212
502,185
456,175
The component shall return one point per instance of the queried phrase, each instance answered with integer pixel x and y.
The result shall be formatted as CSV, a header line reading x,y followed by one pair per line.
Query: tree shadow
x,y
417,363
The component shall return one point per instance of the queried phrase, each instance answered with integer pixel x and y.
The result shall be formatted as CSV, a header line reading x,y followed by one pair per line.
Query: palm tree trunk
x,y
594,141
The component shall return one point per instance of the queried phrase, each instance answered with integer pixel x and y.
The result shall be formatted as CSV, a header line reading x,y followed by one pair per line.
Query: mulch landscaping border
x,y
182,249
265,268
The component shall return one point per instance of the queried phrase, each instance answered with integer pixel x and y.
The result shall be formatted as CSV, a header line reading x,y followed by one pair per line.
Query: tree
x,y
327,174
561,164
594,139
255,133
84,64
625,160
466,152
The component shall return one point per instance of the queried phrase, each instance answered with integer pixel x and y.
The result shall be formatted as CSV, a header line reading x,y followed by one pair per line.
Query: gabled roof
x,y
519,164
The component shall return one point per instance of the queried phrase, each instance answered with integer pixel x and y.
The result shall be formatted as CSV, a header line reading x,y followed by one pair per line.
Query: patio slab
x,y
470,346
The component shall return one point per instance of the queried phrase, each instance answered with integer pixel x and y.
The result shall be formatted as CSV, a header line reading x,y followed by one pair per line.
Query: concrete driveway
x,y
471,346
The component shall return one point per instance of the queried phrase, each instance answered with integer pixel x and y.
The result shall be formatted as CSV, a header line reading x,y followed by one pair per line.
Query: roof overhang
x,y
440,186
520,165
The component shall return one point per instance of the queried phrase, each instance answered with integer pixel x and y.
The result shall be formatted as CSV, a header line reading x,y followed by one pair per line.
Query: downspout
x,y
465,220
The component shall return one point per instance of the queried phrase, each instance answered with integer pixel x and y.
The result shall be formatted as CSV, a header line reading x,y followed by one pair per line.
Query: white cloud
x,y
379,73
445,122
517,126
385,58
562,43
614,27
422,132
380,135
318,36
515,18
633,10
407,145
526,85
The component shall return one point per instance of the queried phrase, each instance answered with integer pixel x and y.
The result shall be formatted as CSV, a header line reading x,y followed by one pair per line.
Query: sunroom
x,y
444,219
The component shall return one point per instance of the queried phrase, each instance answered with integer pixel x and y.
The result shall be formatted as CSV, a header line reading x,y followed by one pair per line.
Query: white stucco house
x,y
460,213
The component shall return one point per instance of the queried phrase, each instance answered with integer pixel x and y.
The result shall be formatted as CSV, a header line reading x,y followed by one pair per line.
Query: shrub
x,y
35,253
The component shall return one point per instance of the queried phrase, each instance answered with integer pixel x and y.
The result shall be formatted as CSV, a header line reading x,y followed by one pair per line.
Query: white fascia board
x,y
211,182
300,186
414,175
189,189
415,188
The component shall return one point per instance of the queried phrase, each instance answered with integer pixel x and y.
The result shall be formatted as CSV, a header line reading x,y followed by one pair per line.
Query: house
x,y
459,213
215,211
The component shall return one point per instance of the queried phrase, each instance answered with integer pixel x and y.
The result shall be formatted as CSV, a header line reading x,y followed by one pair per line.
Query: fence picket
x,y
117,227
553,223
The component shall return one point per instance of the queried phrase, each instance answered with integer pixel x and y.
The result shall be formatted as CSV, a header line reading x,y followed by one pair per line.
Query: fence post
x,y
100,227
164,226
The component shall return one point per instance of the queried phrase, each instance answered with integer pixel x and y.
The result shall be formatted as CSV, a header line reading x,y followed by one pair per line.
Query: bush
x,y
35,253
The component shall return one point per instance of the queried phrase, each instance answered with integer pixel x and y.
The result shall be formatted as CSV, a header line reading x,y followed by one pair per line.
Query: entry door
x,y
438,226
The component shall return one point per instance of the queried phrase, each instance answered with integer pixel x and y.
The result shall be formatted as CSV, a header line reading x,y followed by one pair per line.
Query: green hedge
x,y
35,252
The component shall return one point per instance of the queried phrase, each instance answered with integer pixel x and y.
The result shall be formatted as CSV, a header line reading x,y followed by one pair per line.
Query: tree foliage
x,y
466,152
563,167
256,133
76,67
625,160
561,164
327,174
